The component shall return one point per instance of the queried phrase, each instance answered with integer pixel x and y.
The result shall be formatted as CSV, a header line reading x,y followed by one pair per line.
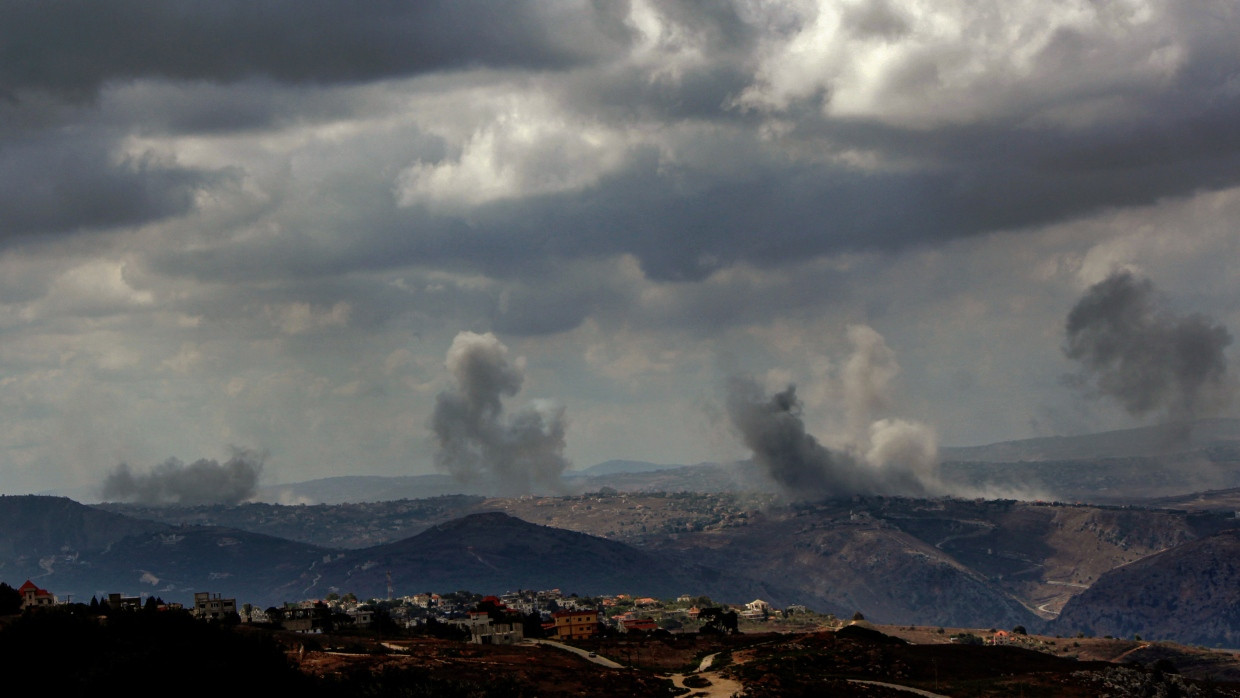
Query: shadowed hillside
x,y
1188,593
497,552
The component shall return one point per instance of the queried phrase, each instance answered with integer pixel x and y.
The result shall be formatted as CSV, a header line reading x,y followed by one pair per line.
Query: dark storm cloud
x,y
477,441
73,48
201,482
711,189
52,185
1145,357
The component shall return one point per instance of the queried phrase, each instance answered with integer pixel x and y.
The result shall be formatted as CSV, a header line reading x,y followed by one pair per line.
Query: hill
x,y
34,528
496,552
1187,593
78,551
1158,440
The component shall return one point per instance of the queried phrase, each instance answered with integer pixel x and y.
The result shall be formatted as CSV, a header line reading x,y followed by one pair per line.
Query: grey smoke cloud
x,y
201,482
877,456
1145,357
475,440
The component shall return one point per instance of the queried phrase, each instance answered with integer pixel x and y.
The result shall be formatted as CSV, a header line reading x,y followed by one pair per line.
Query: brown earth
x,y
479,669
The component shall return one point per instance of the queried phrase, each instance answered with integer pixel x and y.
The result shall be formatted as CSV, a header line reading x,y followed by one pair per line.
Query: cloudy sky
x,y
262,225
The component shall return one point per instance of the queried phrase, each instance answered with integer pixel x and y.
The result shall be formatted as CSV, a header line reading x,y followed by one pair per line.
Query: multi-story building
x,y
212,607
575,625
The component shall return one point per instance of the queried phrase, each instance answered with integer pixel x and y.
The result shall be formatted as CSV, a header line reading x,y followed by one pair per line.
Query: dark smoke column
x,y
475,441
199,483
772,428
1144,357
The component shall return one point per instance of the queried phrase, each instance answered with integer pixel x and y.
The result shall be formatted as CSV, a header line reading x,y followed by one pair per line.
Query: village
x,y
504,619
509,618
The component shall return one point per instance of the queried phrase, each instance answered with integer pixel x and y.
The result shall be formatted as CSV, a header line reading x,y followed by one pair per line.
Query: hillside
x,y
496,552
1187,593
349,525
942,561
78,552
1158,440
842,563
33,527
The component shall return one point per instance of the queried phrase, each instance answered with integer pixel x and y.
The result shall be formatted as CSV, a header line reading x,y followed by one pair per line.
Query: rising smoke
x,y
201,482
874,456
475,441
1145,357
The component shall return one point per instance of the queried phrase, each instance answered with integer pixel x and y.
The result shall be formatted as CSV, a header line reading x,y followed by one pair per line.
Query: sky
x,y
279,228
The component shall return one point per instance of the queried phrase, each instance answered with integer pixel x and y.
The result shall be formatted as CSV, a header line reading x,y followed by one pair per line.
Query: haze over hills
x,y
1157,440
930,562
1116,466
712,529
488,551
495,551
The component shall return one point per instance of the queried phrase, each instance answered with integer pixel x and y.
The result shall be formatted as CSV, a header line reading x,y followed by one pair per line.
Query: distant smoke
x,y
886,456
867,378
475,441
201,482
1145,357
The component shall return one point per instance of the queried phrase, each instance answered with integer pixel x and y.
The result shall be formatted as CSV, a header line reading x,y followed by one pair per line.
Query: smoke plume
x,y
875,456
475,440
1145,357
201,482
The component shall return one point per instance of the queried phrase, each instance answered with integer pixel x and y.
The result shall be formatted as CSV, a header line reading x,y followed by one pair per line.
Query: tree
x,y
718,621
10,600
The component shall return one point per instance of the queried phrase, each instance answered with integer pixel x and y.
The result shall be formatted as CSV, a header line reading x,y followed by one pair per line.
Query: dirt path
x,y
719,687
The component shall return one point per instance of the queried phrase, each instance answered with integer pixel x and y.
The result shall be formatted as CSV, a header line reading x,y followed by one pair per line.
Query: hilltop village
x,y
504,619
542,643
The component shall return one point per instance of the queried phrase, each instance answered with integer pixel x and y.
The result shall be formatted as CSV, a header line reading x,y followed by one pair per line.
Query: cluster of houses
x,y
493,620
206,605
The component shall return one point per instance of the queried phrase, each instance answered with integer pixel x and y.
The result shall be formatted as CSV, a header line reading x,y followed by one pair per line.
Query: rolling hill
x,y
1187,593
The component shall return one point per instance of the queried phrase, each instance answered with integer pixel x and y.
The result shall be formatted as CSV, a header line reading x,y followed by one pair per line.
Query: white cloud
x,y
923,64
303,318
525,146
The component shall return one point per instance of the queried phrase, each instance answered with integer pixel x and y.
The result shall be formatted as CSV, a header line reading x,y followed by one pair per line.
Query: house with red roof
x,y
34,597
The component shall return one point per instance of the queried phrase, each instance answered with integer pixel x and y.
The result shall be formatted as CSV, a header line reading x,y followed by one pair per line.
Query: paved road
x,y
602,661
914,691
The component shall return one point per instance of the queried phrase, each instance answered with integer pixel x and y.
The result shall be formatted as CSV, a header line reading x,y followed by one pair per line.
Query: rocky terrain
x,y
1187,591
921,561
495,552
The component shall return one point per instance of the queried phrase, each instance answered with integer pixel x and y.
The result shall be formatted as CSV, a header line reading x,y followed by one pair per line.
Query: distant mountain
x,y
33,528
349,525
1159,440
496,552
954,563
619,467
1188,594
78,551
365,488
625,476
1118,467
